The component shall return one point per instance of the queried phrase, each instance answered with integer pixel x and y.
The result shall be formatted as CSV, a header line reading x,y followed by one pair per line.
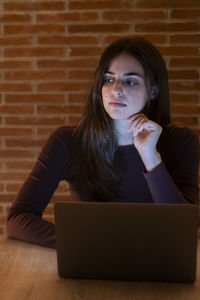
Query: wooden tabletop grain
x,y
29,272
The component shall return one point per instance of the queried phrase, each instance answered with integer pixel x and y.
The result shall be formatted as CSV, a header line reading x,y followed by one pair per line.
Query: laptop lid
x,y
127,241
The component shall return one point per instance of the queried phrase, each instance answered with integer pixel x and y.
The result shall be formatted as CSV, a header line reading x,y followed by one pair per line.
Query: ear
x,y
154,92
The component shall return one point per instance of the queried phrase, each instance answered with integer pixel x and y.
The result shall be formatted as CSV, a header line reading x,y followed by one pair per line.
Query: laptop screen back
x,y
127,241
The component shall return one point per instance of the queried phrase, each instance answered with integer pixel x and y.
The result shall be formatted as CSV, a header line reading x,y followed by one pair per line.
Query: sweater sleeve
x,y
179,184
24,220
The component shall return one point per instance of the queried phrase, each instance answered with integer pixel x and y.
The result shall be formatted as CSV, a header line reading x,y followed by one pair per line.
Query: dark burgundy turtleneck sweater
x,y
174,180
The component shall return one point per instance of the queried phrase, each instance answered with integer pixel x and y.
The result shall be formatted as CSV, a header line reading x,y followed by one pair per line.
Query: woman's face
x,y
124,91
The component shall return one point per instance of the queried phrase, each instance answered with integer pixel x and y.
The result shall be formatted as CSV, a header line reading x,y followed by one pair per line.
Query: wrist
x,y
151,159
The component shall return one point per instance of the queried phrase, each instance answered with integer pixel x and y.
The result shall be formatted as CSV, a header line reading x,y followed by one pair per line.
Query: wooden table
x,y
29,272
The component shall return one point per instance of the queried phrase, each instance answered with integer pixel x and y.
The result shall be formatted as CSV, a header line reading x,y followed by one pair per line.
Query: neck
x,y
124,137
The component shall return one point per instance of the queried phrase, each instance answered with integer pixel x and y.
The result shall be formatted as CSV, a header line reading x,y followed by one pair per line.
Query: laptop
x,y
127,241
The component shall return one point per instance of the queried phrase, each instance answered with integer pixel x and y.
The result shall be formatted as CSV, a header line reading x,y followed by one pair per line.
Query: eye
x,y
108,80
131,82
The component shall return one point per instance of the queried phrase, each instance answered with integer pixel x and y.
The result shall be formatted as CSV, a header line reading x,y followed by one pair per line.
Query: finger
x,y
135,117
149,126
139,127
134,120
143,129
140,122
137,123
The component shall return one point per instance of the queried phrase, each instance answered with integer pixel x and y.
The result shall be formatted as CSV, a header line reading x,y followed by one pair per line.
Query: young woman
x,y
123,150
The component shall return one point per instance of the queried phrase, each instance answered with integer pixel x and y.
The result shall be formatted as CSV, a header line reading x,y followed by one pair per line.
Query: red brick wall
x,y
48,52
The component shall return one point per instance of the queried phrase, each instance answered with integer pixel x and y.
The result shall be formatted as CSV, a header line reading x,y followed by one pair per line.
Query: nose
x,y
117,90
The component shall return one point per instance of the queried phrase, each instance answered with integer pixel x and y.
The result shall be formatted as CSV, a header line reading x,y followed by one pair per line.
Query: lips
x,y
117,104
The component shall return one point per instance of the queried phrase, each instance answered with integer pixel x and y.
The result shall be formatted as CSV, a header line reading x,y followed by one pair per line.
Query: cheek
x,y
140,96
146,97
104,93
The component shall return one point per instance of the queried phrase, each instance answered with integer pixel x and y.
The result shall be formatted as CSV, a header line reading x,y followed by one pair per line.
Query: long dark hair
x,y
96,160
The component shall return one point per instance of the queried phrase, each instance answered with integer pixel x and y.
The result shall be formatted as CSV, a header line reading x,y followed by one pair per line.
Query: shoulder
x,y
181,135
60,142
182,131
63,132
179,140
62,135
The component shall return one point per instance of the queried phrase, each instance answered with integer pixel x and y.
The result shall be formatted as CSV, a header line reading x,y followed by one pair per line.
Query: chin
x,y
117,117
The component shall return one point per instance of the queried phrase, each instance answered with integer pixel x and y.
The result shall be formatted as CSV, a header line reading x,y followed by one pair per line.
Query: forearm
x,y
178,181
30,228
162,187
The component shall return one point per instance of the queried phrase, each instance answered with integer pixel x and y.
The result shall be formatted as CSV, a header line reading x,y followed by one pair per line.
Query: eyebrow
x,y
126,74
